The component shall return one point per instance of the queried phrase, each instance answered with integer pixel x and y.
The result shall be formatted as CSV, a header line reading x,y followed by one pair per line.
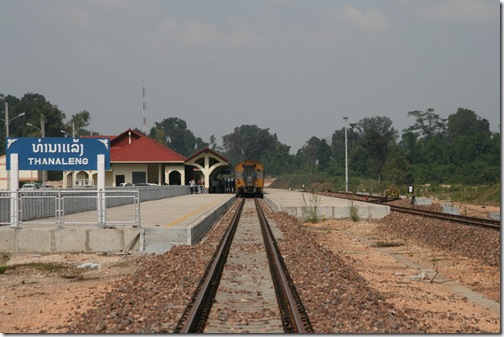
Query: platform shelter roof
x,y
205,151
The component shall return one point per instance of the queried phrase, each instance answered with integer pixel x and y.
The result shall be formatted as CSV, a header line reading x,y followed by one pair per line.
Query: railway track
x,y
468,220
487,223
246,287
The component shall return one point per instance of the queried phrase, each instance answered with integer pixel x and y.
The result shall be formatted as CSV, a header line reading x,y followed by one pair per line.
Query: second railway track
x,y
246,288
468,220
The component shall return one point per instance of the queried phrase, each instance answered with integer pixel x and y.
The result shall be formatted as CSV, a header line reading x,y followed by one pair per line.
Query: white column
x,y
102,217
14,185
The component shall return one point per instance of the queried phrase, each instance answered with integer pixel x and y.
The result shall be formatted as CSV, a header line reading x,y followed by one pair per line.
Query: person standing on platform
x,y
191,185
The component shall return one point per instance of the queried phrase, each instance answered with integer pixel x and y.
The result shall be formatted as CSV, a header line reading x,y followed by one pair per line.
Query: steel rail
x,y
292,312
294,317
193,320
469,220
487,223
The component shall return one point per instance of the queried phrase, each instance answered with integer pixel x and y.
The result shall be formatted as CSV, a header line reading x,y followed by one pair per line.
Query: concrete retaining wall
x,y
67,240
364,210
195,233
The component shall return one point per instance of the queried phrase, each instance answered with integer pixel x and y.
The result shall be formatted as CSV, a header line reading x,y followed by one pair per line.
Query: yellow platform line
x,y
193,212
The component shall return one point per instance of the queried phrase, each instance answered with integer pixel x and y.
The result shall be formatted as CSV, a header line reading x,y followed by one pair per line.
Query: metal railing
x,y
67,207
64,207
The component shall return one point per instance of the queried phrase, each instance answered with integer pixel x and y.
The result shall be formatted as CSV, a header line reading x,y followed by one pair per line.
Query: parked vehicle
x,y
29,187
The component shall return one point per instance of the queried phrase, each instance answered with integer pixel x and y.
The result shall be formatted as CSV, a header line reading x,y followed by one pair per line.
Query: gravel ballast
x,y
336,297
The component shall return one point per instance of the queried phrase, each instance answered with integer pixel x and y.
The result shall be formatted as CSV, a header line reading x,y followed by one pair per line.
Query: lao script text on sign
x,y
58,154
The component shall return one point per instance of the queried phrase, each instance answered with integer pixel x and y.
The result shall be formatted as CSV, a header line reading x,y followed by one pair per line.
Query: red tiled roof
x,y
140,149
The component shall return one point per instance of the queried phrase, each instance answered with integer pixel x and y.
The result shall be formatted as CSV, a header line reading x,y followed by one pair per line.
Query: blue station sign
x,y
58,154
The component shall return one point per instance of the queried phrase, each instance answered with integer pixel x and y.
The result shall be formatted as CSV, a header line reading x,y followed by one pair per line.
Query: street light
x,y
42,130
67,134
346,156
7,120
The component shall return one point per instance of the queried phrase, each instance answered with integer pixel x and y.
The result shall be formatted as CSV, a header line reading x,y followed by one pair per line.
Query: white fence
x,y
67,207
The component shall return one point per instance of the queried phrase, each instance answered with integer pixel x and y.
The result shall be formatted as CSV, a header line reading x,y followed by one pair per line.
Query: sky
x,y
295,67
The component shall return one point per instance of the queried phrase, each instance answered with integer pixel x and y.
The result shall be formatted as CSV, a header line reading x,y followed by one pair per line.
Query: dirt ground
x,y
435,303
36,300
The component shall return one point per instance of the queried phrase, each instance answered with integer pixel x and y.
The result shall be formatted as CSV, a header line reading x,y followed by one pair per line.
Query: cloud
x,y
362,21
475,11
198,34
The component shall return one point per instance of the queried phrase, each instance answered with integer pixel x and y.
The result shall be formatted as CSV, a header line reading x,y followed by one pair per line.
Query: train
x,y
249,179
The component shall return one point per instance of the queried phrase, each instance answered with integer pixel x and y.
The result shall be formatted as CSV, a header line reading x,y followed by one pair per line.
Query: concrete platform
x,y
301,204
164,223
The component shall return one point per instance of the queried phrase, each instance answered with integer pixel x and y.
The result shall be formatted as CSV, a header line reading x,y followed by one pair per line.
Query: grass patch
x,y
476,194
47,267
385,244
311,208
354,212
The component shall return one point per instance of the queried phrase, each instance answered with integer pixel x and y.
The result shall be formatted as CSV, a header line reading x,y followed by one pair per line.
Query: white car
x,y
29,187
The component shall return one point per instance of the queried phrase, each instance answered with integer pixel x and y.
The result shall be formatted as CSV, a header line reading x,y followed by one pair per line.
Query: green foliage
x,y
249,142
354,212
478,194
377,133
458,150
173,133
311,207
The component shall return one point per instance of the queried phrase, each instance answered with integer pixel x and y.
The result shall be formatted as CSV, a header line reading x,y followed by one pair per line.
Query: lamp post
x,y
7,121
68,134
346,156
42,131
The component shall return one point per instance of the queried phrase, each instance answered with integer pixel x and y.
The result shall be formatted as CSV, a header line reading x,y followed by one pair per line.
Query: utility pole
x,y
42,127
42,132
6,119
346,155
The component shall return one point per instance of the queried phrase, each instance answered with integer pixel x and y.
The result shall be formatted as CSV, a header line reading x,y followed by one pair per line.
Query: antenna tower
x,y
144,101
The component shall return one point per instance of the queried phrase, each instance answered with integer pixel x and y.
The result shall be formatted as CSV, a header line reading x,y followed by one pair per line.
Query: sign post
x,y
58,154
14,194
102,216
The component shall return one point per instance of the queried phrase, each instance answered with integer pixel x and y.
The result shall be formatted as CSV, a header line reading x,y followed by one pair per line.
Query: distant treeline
x,y
459,149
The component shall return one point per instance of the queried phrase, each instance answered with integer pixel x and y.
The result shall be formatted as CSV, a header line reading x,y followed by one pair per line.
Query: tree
x,y
38,110
465,122
248,142
396,169
175,135
377,133
213,144
469,136
78,123
426,123
200,144
232,144
277,160
16,124
310,150
324,155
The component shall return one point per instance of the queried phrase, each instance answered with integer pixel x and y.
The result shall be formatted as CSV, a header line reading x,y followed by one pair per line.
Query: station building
x,y
24,176
138,159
